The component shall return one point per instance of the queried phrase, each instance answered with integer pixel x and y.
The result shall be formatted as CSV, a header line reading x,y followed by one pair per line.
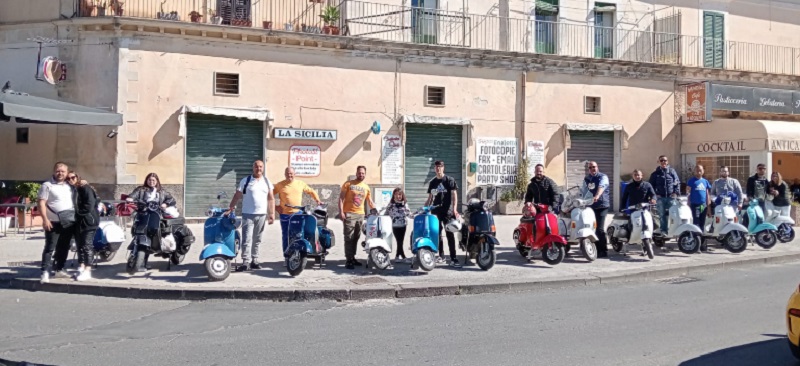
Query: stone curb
x,y
384,292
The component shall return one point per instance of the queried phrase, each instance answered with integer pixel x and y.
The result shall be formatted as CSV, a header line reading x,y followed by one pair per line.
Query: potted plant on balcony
x,y
241,22
330,15
213,17
28,191
195,16
267,24
116,7
511,202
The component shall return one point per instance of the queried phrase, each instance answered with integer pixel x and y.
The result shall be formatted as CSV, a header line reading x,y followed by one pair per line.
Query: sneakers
x,y
357,263
349,264
85,275
61,274
255,265
45,277
242,268
602,254
455,263
439,260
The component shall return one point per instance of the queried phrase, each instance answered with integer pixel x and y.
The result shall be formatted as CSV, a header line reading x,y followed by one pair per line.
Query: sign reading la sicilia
x,y
300,134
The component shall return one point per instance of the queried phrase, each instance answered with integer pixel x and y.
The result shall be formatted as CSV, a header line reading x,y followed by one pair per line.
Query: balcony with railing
x,y
457,29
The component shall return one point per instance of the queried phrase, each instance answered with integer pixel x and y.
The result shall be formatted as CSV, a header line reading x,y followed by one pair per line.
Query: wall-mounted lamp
x,y
376,127
112,134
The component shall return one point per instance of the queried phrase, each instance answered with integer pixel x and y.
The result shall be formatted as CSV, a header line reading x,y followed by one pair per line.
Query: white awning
x,y
603,127
413,118
782,135
258,114
736,135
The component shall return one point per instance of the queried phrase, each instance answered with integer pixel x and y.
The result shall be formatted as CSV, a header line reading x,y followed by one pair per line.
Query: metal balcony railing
x,y
458,29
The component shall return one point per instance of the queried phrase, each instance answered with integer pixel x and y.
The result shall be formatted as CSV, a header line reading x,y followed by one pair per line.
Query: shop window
x,y
22,135
226,84
434,95
739,167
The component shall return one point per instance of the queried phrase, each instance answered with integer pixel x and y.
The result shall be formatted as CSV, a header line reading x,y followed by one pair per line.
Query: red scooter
x,y
538,232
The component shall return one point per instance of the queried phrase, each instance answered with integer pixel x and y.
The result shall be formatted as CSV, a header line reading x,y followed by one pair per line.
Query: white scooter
x,y
681,226
577,222
636,229
785,224
725,227
378,241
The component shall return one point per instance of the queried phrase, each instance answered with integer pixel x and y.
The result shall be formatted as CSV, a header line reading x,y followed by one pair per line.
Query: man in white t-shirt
x,y
56,196
258,206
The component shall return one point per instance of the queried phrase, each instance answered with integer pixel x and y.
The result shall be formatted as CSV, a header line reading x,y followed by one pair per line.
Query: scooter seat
x,y
527,219
176,221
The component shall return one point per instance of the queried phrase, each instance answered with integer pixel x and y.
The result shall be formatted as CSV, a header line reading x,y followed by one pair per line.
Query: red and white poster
x,y
306,160
391,160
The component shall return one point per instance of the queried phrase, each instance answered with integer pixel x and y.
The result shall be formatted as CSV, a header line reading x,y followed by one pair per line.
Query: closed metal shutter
x,y
219,153
590,146
424,145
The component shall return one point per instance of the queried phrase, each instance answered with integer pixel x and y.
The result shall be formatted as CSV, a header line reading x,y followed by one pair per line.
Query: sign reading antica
x,y
784,145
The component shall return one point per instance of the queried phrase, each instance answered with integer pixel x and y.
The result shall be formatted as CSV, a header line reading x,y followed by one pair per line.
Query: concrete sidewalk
x,y
19,261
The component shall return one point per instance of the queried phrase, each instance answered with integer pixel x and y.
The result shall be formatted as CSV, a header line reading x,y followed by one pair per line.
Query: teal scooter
x,y
425,239
764,233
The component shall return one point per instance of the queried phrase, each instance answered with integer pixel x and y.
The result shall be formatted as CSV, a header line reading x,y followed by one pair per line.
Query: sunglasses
x,y
593,167
762,168
663,160
72,177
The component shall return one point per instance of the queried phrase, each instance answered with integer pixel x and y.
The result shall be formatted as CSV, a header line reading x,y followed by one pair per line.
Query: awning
x,y
546,7
431,120
30,109
604,7
740,136
600,127
255,113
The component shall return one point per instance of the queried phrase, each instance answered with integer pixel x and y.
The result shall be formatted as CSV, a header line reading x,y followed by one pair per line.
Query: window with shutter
x,y
232,11
713,40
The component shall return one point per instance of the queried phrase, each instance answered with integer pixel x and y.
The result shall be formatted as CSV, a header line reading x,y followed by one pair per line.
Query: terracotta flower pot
x,y
267,24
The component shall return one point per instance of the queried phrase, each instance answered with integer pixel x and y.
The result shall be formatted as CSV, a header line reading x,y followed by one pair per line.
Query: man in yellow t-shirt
x,y
290,192
352,200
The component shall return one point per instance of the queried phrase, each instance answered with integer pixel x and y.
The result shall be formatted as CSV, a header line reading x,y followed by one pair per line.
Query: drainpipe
x,y
523,99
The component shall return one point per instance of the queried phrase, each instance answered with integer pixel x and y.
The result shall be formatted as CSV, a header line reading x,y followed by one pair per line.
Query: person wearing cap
x,y
443,194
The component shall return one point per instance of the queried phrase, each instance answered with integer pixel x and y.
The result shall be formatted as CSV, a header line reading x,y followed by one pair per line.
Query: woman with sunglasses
x,y
151,190
87,219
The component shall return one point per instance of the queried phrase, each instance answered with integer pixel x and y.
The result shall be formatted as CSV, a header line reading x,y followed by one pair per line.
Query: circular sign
x,y
51,70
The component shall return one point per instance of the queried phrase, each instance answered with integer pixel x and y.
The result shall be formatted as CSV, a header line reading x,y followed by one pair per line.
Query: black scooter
x,y
479,235
154,234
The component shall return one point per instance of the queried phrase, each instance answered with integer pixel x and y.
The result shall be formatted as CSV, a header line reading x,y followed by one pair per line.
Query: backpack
x,y
247,183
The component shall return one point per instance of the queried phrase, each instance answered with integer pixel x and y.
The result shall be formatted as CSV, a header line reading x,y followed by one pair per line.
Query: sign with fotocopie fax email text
x,y
497,161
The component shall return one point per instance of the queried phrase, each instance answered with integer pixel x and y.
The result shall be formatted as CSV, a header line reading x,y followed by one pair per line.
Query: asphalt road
x,y
733,317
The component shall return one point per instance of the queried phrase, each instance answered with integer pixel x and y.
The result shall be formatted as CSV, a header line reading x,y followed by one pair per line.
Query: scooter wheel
x,y
106,256
379,258
735,241
296,262
588,249
486,258
648,248
218,268
615,243
689,242
785,233
766,239
426,259
553,253
177,258
136,262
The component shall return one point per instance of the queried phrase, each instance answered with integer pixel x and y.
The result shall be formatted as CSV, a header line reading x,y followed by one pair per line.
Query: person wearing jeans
x,y
666,183
443,194
699,191
87,220
258,207
353,198
56,196
598,185
290,193
779,190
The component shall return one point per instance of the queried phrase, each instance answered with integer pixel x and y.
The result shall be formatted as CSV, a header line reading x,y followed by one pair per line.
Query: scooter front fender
x,y
765,226
299,244
420,243
587,233
687,227
373,243
214,249
732,226
491,240
554,239
780,220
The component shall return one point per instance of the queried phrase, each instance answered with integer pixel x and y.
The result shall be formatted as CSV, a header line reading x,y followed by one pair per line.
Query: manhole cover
x,y
368,280
24,264
678,280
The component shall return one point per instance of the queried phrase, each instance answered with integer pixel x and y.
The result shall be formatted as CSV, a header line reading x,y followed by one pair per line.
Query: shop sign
x,y
497,161
723,146
796,102
535,152
306,160
784,145
740,98
732,98
698,109
773,100
391,160
300,134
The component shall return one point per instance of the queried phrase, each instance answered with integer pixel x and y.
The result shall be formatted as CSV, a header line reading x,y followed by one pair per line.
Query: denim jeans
x,y
663,205
699,213
285,231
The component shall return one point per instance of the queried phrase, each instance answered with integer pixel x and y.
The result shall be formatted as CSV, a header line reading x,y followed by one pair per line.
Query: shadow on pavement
x,y
770,352
4,362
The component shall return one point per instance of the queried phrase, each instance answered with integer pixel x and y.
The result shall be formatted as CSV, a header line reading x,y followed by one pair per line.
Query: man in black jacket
x,y
541,189
757,186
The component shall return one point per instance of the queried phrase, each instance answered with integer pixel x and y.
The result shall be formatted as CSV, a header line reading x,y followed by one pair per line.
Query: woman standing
x,y
780,190
87,219
398,211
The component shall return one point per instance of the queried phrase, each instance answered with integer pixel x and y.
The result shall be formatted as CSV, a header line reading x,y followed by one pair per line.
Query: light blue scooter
x,y
222,240
425,239
764,233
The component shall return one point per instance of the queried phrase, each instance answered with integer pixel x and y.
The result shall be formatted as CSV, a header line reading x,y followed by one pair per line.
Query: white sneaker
x,y
84,276
45,277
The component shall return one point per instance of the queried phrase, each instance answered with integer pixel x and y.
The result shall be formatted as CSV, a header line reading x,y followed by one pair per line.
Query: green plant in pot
x,y
330,15
511,200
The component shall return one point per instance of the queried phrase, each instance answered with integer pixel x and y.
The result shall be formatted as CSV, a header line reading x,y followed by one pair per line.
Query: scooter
x,y
107,239
378,239
479,236
309,236
157,234
425,239
222,241
537,232
633,226
785,224
725,227
577,222
681,226
763,233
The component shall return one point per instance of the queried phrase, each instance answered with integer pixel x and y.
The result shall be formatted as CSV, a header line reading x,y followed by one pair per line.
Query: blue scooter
x,y
308,236
425,239
764,233
222,240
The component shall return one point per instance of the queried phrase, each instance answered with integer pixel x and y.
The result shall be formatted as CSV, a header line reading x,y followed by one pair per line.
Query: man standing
x,y
597,183
725,184
757,186
258,206
541,189
56,202
443,192
290,192
666,183
352,201
699,199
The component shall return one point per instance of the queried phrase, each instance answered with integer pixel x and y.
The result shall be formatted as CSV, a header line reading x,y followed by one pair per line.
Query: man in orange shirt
x,y
352,199
290,192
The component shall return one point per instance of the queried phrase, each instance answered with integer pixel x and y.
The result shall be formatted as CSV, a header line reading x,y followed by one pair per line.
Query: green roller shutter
x,y
220,152
588,146
424,145
713,40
